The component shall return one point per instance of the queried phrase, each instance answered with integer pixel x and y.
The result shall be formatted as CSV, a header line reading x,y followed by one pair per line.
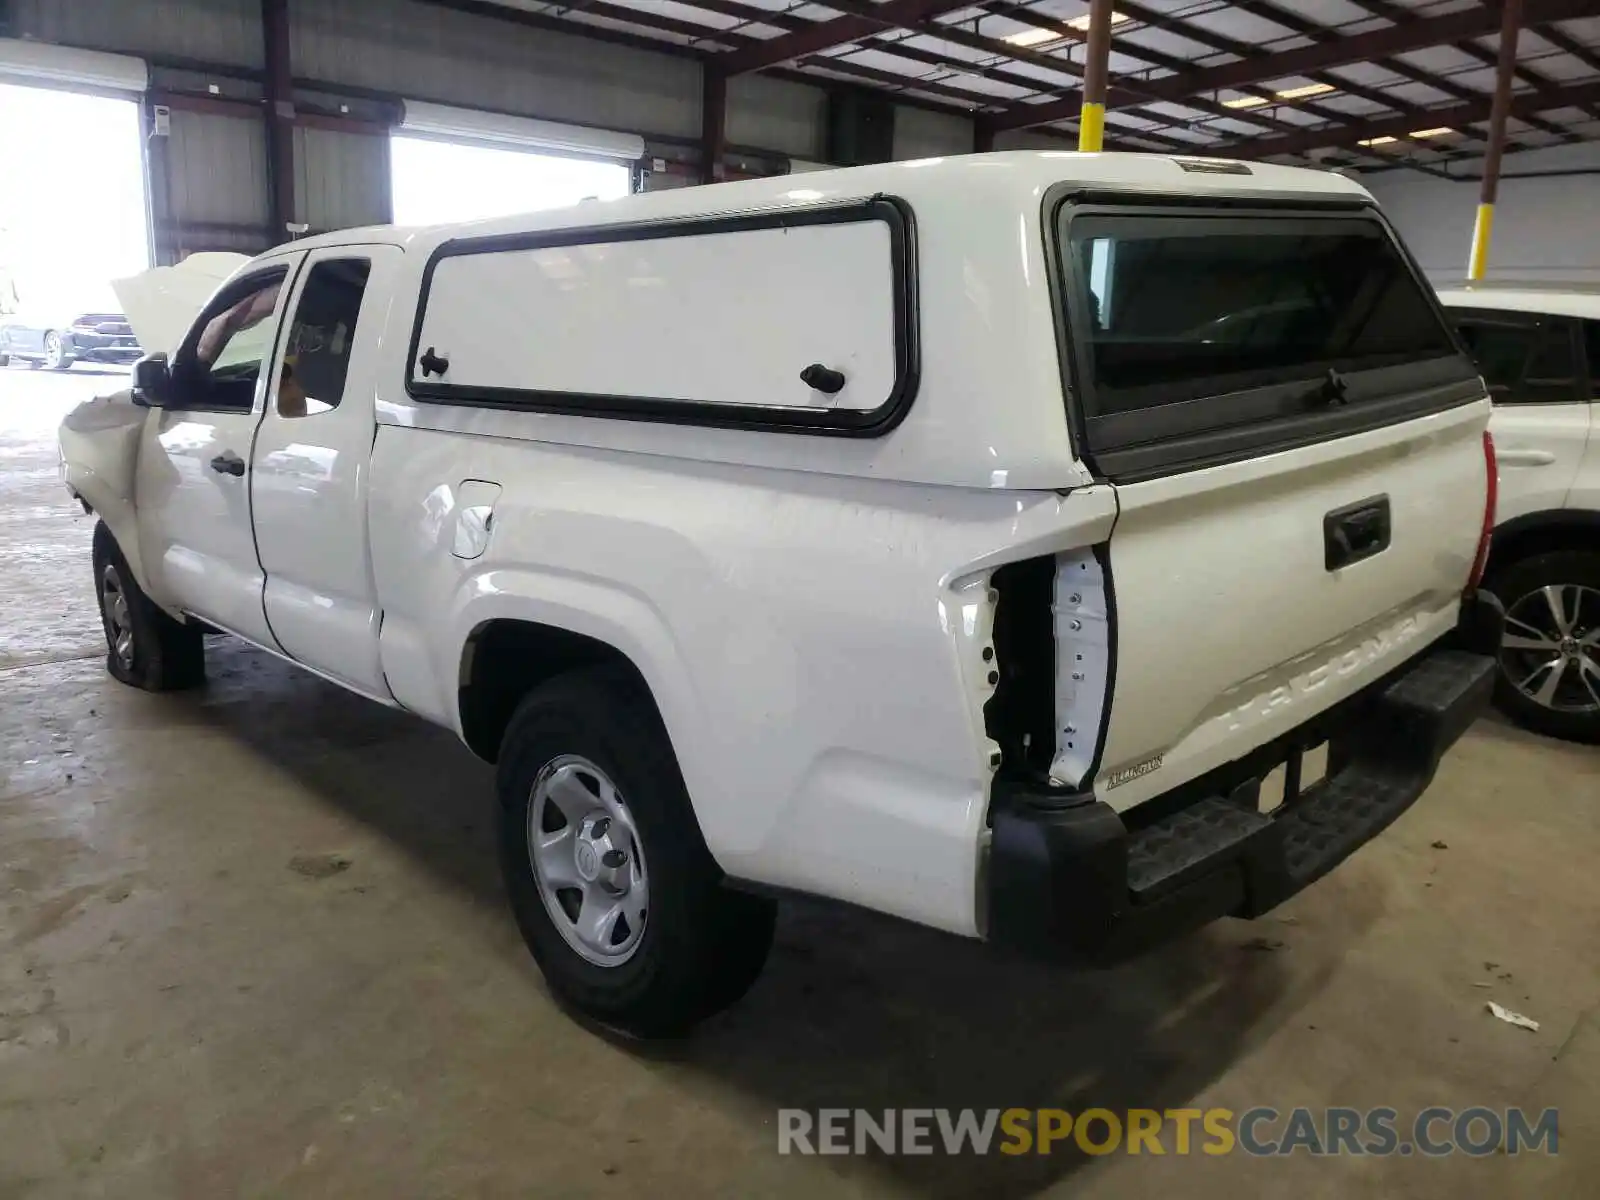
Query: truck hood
x,y
161,303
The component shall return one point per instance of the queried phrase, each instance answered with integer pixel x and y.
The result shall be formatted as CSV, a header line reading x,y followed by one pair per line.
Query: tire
x,y
55,355
5,359
1531,590
699,945
145,648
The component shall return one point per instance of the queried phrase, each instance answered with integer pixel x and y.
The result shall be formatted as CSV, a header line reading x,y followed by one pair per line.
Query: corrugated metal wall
x,y
664,182
1031,139
919,133
216,31
776,114
215,180
341,179
437,54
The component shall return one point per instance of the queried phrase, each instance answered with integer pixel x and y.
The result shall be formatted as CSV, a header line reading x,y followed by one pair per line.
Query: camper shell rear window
x,y
1198,335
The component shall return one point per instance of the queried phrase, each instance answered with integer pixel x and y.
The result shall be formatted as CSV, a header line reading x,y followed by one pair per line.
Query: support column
x,y
713,124
157,187
1510,25
1092,120
279,117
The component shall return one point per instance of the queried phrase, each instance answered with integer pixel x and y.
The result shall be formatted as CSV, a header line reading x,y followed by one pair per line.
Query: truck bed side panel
x,y
809,640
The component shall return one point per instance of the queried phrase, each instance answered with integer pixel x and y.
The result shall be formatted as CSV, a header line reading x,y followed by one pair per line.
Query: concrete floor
x,y
190,1007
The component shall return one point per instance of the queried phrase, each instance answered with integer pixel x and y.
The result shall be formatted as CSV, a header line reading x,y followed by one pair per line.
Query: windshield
x,y
1184,306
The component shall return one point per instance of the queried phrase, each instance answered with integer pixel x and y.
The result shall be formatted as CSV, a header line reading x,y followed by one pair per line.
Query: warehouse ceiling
x,y
1365,83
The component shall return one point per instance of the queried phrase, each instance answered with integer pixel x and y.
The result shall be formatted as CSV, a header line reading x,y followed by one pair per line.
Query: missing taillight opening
x,y
1052,653
1020,716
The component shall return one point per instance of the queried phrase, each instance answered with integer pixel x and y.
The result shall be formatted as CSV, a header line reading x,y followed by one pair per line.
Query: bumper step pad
x,y
1338,815
1072,878
1387,760
1170,853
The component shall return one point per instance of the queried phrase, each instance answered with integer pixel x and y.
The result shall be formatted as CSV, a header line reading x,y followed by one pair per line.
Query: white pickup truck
x,y
967,539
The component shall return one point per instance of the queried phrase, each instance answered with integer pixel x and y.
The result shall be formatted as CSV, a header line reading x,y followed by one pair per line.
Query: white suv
x,y
1539,350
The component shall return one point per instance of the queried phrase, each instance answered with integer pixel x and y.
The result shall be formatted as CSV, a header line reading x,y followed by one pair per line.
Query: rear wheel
x,y
1550,656
145,648
615,892
55,354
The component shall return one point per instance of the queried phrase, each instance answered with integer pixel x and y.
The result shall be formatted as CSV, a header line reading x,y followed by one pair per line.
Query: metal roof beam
x,y
1127,94
1472,112
824,35
1404,16
883,44
1336,52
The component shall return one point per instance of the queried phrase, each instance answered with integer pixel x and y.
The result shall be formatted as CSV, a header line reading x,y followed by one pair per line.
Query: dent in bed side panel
x,y
806,638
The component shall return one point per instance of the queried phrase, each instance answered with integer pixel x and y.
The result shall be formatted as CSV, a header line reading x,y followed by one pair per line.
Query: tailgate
x,y
1231,629
1296,444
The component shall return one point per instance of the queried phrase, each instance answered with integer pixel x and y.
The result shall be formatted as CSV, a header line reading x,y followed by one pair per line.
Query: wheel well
x,y
506,659
1543,533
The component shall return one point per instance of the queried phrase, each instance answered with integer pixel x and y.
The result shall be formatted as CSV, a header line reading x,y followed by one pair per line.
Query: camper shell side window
x,y
795,320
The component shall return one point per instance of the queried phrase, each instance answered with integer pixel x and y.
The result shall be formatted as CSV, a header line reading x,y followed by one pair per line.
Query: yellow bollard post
x,y
1092,117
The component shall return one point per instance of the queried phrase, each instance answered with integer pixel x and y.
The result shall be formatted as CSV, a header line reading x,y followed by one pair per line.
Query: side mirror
x,y
152,381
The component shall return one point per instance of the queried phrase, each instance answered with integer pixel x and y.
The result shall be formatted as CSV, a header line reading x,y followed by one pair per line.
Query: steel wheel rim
x,y
587,860
52,349
119,622
1551,649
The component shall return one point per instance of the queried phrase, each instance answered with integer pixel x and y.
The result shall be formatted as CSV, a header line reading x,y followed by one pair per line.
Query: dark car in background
x,y
57,344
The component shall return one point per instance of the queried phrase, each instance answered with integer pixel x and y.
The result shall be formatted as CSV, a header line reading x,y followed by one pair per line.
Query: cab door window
x,y
316,356
221,360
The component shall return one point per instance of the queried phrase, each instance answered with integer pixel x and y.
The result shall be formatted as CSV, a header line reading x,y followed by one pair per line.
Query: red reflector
x,y
1490,500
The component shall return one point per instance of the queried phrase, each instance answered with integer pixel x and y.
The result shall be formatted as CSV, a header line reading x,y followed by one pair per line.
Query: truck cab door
x,y
1541,407
309,477
193,488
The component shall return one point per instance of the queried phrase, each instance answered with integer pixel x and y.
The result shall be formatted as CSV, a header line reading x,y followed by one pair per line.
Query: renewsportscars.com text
x,y
1260,1131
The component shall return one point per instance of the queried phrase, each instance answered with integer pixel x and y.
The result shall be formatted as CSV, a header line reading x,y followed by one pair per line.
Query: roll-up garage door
x,y
39,64
72,196
517,133
457,164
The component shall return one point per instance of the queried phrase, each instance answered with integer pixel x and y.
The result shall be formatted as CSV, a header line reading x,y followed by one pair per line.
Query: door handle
x,y
1355,532
1519,457
228,463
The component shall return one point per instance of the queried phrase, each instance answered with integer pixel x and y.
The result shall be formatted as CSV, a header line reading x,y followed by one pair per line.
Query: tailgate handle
x,y
1355,532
